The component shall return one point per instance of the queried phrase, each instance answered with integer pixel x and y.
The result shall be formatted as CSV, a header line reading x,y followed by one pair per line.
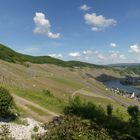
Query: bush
x,y
86,110
109,109
47,93
134,112
117,128
6,103
73,128
35,129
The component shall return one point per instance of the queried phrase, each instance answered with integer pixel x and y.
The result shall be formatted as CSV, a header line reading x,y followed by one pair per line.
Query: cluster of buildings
x,y
125,94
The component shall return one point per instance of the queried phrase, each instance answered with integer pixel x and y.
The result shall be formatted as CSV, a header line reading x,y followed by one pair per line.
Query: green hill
x,y
10,55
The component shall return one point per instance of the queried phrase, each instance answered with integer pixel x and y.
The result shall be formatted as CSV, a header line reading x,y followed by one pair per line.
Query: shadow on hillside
x,y
128,79
105,78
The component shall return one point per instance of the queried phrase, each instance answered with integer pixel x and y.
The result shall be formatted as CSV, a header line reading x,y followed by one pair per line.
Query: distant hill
x,y
10,55
129,68
125,65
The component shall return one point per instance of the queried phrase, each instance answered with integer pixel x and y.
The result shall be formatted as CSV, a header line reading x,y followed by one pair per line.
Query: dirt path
x,y
76,92
87,93
107,96
35,115
25,103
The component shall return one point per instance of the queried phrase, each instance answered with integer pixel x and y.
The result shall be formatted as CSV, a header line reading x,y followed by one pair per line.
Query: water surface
x,y
127,88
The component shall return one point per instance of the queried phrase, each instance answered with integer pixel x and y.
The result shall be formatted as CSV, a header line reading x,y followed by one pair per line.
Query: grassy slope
x,y
28,82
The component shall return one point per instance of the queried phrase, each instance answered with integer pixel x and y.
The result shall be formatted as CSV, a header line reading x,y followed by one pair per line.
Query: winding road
x,y
110,96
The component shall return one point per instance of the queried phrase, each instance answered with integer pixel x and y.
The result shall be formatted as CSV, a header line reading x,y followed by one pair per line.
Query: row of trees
x,y
133,112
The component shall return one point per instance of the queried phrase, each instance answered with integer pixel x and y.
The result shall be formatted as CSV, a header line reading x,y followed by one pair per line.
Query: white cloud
x,y
43,26
111,57
117,57
98,23
134,48
96,29
75,54
85,7
87,52
56,55
122,56
100,57
113,45
90,52
87,58
96,52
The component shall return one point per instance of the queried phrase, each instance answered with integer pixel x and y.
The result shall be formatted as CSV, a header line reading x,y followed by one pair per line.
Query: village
x,y
125,94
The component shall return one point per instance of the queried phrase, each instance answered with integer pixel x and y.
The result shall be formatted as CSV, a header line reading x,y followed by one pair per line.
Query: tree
x,y
134,112
109,109
6,102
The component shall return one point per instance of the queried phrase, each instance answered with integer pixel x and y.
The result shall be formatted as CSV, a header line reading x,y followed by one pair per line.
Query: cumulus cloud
x,y
90,52
85,7
96,52
100,57
116,56
111,57
113,45
43,26
134,48
122,56
75,54
87,52
87,58
56,55
98,23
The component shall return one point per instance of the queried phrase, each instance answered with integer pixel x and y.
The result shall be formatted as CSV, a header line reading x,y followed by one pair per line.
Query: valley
x,y
63,82
69,70
42,92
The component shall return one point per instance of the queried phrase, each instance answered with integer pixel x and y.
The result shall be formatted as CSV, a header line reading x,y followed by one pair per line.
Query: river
x,y
126,88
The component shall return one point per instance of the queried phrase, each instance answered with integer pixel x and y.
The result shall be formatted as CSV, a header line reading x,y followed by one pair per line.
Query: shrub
x,y
134,112
6,103
35,129
117,128
109,109
73,128
86,110
47,93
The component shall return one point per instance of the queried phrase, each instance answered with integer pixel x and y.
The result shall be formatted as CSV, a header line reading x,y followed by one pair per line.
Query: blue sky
x,y
95,31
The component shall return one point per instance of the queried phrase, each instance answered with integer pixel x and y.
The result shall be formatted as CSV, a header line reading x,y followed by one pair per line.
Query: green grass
x,y
52,103
68,82
57,105
37,110
20,121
